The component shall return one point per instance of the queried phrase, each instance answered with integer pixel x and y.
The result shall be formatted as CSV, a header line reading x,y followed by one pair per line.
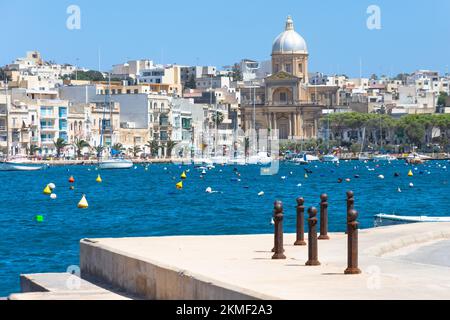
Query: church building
x,y
285,100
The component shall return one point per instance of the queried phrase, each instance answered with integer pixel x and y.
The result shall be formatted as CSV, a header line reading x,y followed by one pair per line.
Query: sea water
x,y
140,202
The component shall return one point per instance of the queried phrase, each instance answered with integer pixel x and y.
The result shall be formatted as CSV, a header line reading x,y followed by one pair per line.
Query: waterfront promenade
x,y
398,262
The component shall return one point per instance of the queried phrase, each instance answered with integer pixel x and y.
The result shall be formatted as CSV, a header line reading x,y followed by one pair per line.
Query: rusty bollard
x,y
300,223
312,238
324,217
278,217
350,204
352,254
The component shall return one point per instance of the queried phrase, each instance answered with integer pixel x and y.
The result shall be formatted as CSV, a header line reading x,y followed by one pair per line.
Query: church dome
x,y
289,41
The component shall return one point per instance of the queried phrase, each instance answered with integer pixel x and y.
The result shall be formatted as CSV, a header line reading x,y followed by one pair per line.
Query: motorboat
x,y
415,158
330,158
262,158
115,163
20,164
305,158
384,157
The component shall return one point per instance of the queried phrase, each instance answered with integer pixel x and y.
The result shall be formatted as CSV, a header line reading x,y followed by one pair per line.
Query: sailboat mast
x,y
7,117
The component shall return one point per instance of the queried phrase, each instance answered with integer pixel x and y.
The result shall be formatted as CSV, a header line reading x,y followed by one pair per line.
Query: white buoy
x,y
272,222
53,196
299,185
381,176
291,173
348,180
399,190
411,185
283,178
204,172
51,186
209,190
261,193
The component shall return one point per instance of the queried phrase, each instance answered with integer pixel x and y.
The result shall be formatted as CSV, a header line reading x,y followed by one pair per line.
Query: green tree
x,y
154,147
98,151
33,149
79,145
59,144
90,75
135,150
442,100
118,147
169,147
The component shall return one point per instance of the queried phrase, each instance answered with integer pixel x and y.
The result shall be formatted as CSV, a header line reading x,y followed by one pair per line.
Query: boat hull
x,y
115,164
15,166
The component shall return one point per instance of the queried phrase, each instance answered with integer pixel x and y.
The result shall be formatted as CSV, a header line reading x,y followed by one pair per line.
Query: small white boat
x,y
20,164
330,158
305,159
115,164
415,158
262,158
384,157
411,219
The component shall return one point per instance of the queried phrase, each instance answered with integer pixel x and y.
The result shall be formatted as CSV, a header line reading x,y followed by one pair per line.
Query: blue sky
x,y
414,34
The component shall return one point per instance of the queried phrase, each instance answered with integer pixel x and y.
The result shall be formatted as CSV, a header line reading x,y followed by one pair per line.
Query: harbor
x,y
223,200
407,262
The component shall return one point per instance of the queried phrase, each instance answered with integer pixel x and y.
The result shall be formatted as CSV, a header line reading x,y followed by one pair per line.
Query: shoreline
x,y
184,161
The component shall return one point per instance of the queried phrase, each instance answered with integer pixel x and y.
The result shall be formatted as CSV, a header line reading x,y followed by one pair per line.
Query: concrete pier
x,y
399,262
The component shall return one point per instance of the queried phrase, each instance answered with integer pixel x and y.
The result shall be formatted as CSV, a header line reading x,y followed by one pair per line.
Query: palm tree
x,y
154,147
135,150
118,148
169,146
60,144
98,151
79,145
33,149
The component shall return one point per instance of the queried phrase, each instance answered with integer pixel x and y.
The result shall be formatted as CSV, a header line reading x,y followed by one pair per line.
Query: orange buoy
x,y
71,179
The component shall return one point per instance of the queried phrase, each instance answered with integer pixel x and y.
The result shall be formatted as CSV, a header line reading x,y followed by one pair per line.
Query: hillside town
x,y
144,109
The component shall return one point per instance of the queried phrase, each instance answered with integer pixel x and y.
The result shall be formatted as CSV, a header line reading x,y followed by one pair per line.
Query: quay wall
x,y
151,280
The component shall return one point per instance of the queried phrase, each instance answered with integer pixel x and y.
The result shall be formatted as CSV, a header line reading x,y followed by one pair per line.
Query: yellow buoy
x,y
83,204
99,179
47,190
410,173
179,185
306,176
183,175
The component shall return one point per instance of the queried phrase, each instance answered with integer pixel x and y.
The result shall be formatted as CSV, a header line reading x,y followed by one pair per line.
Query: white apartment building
x,y
205,83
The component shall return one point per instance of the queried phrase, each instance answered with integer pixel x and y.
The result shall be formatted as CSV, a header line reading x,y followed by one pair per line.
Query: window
x,y
63,112
283,96
288,68
300,68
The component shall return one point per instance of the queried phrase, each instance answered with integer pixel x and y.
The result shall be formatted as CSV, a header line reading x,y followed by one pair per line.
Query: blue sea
x,y
140,202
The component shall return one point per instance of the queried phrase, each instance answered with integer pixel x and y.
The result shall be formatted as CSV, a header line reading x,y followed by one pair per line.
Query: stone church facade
x,y
286,101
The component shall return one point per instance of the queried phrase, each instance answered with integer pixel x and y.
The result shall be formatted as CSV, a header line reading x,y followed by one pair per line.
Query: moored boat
x,y
330,158
117,163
